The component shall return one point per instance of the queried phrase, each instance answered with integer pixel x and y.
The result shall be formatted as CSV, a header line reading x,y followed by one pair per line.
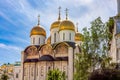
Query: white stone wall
x,y
67,33
17,73
36,40
53,31
113,48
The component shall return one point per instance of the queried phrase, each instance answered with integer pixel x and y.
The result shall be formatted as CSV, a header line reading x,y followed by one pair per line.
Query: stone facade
x,y
38,60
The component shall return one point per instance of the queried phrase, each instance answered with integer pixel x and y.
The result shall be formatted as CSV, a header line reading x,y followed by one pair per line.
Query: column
x,y
70,63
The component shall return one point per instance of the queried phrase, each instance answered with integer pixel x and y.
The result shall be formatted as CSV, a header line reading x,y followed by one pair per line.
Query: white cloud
x,y
95,8
10,47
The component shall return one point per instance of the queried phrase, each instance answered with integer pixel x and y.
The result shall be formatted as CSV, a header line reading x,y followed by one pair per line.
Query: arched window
x,y
54,37
33,40
63,36
39,40
69,36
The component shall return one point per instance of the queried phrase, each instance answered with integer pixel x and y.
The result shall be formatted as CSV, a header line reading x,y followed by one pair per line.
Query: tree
x,y
106,74
56,75
95,50
4,77
81,67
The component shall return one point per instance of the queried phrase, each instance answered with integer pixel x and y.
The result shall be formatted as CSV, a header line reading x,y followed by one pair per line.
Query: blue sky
x,y
17,17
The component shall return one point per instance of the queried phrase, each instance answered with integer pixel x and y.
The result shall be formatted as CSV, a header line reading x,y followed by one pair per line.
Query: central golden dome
x,y
79,37
66,25
55,25
37,30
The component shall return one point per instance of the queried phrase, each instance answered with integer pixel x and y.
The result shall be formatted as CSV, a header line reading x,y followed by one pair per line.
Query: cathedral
x,y
55,52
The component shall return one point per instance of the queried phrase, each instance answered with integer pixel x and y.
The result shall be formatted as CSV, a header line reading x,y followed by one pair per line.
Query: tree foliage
x,y
56,75
4,77
95,50
105,74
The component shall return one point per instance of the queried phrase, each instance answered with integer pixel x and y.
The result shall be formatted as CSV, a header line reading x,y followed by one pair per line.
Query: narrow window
x,y
63,36
17,75
42,71
25,71
54,37
39,40
37,70
31,71
49,68
69,36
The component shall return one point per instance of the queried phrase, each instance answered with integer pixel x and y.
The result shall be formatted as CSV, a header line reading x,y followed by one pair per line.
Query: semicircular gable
x,y
26,48
41,47
45,49
31,52
61,50
30,46
60,44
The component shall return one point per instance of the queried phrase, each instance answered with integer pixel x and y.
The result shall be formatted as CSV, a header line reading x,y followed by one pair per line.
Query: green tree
x,y
95,49
56,75
4,77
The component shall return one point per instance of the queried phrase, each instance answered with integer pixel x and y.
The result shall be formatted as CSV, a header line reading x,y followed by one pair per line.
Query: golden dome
x,y
55,25
37,30
78,37
49,40
66,25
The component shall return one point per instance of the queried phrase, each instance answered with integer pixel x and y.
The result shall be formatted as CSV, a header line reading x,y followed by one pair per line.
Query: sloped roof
x,y
46,58
31,60
61,59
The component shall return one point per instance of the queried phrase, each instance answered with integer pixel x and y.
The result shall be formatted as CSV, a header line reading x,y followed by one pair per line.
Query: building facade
x,y
115,42
55,52
17,71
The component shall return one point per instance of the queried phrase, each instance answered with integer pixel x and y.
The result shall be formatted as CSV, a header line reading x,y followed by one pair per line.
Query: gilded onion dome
x,y
78,37
49,40
38,30
56,23
66,24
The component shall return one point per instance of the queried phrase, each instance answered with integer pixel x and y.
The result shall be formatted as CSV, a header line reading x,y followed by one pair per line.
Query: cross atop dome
x,y
77,27
66,10
38,19
59,18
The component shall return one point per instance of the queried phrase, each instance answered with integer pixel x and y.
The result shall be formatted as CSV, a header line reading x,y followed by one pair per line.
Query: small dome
x,y
49,40
37,30
55,25
78,37
66,25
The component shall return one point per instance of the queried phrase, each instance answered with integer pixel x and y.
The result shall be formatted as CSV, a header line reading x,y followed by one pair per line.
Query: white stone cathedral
x,y
55,52
115,42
